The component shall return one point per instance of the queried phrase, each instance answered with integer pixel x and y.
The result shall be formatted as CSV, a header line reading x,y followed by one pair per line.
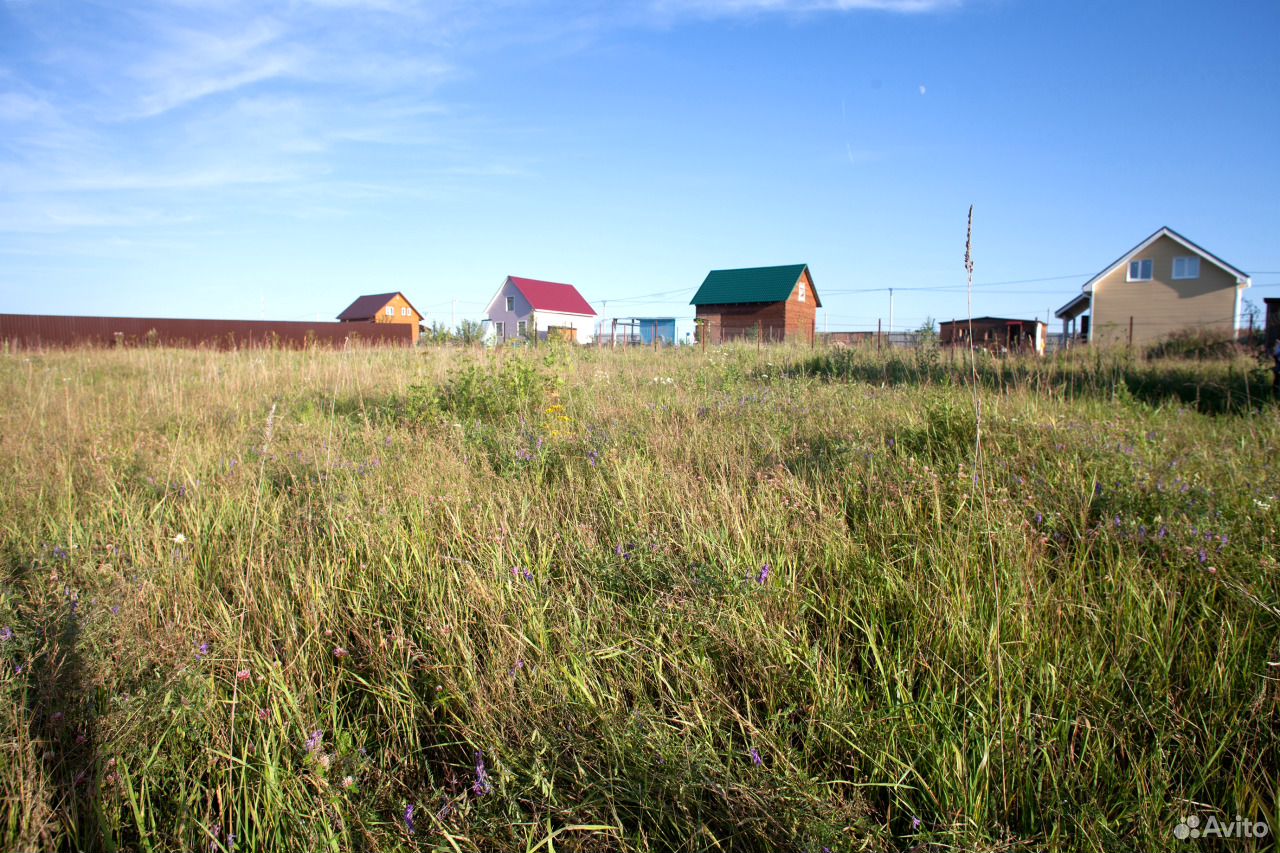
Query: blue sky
x,y
258,159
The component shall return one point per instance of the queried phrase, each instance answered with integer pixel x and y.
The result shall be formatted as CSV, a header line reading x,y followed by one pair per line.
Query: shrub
x,y
476,393
1195,343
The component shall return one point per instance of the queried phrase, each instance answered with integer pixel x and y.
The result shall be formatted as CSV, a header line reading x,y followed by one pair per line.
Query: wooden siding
x,y
399,304
1163,305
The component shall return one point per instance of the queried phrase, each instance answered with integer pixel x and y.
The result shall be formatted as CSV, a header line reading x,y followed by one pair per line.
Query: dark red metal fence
x,y
41,330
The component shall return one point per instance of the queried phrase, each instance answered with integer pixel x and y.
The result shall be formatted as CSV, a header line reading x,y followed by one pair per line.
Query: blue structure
x,y
663,328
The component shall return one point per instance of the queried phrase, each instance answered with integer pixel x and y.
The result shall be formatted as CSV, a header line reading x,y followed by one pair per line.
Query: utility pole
x,y
453,315
891,315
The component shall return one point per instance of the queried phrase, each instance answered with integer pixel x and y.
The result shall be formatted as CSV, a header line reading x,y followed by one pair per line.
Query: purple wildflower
x,y
408,818
6,635
1097,489
1204,558
115,611
202,650
481,785
339,652
755,757
313,742
764,573
916,823
1039,519
1162,532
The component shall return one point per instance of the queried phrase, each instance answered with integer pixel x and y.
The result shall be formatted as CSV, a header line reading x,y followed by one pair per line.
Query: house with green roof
x,y
772,304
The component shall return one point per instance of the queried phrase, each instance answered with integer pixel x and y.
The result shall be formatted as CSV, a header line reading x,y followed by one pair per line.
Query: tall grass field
x,y
737,599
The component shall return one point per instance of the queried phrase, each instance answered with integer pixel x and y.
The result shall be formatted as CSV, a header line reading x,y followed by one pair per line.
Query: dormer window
x,y
1140,270
511,303
1188,267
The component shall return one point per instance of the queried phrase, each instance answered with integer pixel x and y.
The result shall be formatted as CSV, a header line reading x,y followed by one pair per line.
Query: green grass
x,y
555,560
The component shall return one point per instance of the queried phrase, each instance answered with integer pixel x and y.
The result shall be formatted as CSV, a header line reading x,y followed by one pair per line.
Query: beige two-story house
x,y
1163,285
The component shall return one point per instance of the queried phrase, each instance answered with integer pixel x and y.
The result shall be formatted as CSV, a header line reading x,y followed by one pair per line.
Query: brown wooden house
x,y
766,303
383,308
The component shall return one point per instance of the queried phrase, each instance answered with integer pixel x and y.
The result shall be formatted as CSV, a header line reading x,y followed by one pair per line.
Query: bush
x,y
1195,343
475,393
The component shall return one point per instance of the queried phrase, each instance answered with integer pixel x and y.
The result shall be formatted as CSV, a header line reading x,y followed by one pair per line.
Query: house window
x,y
1188,267
522,328
801,297
511,303
391,312
404,312
1140,270
500,330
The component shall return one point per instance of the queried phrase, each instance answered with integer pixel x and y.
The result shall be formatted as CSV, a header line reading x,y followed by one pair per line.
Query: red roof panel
x,y
550,296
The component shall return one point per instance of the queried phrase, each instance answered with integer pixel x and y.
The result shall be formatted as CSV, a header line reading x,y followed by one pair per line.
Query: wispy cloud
x,y
747,7
197,64
183,100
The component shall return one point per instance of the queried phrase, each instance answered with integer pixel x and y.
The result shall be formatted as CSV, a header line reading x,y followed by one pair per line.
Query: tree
x,y
469,332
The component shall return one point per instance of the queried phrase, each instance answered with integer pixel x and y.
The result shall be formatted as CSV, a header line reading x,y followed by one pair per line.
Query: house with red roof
x,y
524,307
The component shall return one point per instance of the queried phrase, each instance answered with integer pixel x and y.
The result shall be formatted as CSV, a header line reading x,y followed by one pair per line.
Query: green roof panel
x,y
756,284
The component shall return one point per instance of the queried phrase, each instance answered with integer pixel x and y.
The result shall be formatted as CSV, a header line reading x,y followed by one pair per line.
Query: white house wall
x,y
585,326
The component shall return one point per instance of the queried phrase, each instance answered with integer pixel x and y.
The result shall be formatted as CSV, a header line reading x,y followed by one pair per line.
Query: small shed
x,y
641,331
999,334
1271,331
769,303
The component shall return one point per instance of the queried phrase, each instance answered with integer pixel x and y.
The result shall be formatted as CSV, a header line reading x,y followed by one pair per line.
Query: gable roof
x,y
1077,306
1166,231
753,284
990,320
367,307
552,296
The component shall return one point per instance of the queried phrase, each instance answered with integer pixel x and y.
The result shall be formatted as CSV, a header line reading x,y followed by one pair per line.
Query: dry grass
x,y
553,563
